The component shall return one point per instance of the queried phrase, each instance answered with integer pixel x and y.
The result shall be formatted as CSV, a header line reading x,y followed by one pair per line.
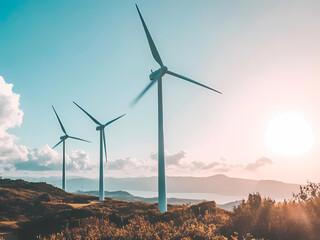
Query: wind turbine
x,y
156,76
63,140
100,128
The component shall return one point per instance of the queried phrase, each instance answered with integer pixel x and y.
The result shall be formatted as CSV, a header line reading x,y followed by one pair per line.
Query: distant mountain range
x,y
123,195
218,184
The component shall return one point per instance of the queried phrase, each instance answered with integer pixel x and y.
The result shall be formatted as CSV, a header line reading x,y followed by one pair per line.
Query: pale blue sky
x,y
96,53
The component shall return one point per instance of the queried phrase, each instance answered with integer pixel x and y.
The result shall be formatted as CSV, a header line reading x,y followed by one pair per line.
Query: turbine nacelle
x,y
64,137
158,74
101,127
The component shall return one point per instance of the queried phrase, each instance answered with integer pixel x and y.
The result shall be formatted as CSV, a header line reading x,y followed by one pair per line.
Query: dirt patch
x,y
80,205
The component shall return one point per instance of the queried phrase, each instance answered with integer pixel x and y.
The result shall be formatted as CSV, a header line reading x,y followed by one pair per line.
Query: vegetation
x,y
254,218
21,200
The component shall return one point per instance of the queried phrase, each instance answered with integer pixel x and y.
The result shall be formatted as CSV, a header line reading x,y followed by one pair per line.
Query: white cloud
x,y
257,164
198,165
79,160
46,159
171,159
176,164
19,157
133,166
120,164
10,116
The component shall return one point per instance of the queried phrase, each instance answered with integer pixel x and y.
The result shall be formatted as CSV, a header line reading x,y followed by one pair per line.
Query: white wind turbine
x,y
154,77
63,140
100,128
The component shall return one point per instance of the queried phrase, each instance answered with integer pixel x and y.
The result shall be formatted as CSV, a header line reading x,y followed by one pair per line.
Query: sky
x,y
262,55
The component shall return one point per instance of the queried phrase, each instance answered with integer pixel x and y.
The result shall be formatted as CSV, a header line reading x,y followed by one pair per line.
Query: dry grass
x,y
55,214
81,205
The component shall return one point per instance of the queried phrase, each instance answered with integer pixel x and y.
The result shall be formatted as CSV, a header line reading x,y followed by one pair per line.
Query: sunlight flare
x,y
289,134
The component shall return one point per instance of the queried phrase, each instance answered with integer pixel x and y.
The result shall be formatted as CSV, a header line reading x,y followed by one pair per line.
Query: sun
x,y
289,134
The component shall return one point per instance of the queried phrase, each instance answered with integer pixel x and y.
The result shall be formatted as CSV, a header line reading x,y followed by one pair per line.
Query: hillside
x,y
21,200
41,211
32,209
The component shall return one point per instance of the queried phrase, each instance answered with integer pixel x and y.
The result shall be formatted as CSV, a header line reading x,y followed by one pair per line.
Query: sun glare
x,y
289,134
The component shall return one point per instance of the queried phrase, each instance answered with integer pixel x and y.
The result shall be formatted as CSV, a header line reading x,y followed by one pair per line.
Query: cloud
x,y
215,166
257,164
79,160
47,159
137,165
171,159
120,164
132,167
176,164
202,166
19,157
10,116
175,159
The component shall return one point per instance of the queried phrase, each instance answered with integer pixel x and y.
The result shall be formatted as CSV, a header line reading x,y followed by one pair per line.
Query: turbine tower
x,y
63,140
156,76
100,128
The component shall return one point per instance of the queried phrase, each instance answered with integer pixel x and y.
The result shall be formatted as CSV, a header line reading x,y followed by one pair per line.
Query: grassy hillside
x,y
55,214
22,201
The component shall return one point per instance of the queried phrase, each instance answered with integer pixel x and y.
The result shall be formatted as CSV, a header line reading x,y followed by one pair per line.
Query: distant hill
x,y
217,184
229,206
123,195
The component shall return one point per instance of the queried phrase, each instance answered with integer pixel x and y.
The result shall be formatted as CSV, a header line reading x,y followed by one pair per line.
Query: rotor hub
x,y
64,137
164,69
98,128
161,70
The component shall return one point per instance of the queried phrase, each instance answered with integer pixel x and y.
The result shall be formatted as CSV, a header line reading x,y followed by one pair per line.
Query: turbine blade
x,y
59,121
79,139
104,144
143,92
108,123
92,118
192,81
57,144
153,48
